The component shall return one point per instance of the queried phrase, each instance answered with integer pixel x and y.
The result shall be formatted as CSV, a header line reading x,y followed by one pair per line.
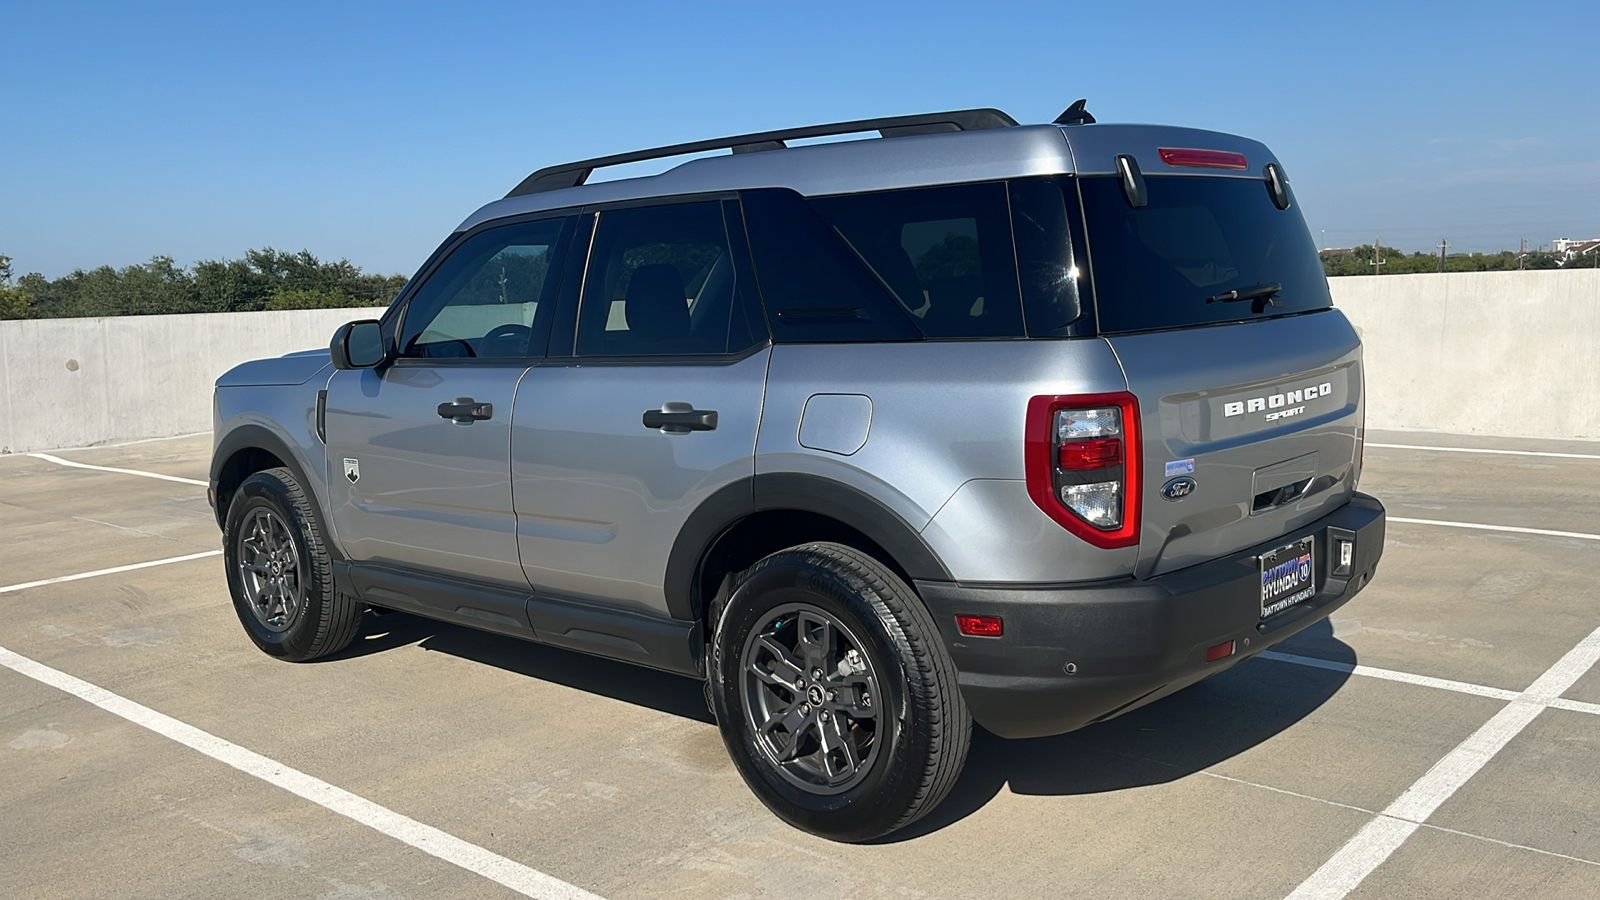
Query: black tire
x,y
908,752
279,572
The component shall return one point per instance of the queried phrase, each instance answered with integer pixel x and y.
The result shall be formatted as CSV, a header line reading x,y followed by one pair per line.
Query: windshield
x,y
1199,239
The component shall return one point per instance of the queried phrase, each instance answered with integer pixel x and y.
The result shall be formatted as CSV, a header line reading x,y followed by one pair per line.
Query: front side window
x,y
661,281
491,298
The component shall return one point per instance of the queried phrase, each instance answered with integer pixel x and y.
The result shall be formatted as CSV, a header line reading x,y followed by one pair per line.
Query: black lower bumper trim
x,y
1076,654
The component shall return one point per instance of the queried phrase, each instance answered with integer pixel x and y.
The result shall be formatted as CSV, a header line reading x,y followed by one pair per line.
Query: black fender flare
x,y
790,491
251,436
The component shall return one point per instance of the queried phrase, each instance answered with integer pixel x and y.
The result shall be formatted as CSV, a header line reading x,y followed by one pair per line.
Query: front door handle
x,y
680,418
466,410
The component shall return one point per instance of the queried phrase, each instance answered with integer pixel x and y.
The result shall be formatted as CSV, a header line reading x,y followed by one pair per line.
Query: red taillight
x,y
1361,436
1082,464
1091,454
1203,159
980,626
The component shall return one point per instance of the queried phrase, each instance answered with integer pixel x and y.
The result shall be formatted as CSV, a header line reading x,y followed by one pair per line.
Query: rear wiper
x,y
1262,294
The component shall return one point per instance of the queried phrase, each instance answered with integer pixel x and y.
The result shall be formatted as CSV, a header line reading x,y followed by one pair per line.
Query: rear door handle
x,y
680,418
466,410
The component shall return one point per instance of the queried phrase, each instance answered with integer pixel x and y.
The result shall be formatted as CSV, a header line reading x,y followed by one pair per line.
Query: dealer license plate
x,y
1288,576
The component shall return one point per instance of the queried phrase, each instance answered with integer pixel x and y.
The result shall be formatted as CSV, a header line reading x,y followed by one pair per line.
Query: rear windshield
x,y
1198,238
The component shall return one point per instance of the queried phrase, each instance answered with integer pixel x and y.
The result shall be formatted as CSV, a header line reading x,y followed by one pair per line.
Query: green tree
x,y
15,302
309,298
263,279
1358,261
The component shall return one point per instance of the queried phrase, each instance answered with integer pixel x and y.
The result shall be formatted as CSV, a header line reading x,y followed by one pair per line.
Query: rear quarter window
x,y
945,254
1197,238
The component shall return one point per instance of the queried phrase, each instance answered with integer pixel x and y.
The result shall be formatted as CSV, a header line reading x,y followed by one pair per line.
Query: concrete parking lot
x,y
1437,738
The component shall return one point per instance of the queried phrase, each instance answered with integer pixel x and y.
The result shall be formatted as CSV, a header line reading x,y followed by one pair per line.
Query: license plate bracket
x,y
1288,575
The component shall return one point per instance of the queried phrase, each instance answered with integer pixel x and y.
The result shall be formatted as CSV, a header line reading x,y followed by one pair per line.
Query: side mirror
x,y
358,345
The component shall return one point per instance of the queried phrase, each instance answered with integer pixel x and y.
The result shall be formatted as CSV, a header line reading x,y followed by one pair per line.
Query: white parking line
x,y
1384,834
526,881
78,465
111,571
1482,450
1443,684
1580,535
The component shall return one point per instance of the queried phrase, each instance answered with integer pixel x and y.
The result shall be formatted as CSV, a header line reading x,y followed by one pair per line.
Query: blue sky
x,y
369,130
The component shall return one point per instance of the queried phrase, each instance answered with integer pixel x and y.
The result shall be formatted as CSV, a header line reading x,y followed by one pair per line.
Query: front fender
x,y
243,435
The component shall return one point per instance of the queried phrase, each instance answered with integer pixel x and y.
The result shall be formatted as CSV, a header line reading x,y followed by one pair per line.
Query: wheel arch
x,y
755,516
252,448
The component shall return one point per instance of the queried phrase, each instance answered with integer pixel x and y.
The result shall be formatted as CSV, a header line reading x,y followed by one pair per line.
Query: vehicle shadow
x,y
661,691
1175,737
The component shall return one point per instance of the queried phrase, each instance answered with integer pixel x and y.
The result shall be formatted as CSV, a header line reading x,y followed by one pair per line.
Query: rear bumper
x,y
1130,642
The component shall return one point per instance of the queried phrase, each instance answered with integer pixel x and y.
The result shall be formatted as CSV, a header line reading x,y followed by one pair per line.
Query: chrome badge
x,y
1178,488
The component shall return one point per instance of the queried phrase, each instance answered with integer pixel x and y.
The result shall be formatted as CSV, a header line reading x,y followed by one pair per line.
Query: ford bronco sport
x,y
970,421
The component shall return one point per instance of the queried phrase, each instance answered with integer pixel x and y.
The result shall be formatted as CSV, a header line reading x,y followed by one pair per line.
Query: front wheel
x,y
279,573
835,695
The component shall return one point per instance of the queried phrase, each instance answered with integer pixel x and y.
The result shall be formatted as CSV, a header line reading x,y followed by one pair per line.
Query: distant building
x,y
1571,251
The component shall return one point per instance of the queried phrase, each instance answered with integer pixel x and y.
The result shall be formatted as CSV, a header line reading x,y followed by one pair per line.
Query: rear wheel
x,y
835,695
279,572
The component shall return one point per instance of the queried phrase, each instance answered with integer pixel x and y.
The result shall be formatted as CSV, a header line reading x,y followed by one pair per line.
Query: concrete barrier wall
x,y
75,382
1508,353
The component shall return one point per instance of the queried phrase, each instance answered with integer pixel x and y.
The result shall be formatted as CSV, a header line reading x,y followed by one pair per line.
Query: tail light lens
x,y
1083,464
1361,435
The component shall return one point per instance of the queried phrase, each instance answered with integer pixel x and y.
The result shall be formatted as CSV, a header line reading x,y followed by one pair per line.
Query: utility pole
x,y
1522,254
1377,255
1444,245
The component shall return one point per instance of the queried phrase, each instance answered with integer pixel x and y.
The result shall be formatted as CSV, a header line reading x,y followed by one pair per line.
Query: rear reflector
x,y
980,626
1203,159
1220,651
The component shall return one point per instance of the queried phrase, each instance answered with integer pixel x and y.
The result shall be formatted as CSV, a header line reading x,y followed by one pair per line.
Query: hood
x,y
294,368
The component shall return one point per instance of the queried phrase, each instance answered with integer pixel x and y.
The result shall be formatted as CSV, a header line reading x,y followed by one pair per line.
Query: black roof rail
x,y
575,173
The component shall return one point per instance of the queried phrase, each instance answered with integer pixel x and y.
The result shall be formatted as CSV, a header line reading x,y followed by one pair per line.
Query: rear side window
x,y
661,282
1170,263
945,254
814,288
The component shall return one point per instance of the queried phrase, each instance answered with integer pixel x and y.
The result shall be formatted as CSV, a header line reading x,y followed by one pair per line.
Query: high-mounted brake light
x,y
1083,464
1202,159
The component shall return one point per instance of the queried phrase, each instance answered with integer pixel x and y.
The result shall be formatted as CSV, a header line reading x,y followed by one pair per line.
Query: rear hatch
x,y
1248,382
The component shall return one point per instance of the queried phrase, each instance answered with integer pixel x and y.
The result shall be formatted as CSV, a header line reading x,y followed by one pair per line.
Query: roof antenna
x,y
1075,115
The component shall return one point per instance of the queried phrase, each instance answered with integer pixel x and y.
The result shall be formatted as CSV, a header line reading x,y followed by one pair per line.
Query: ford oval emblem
x,y
1178,488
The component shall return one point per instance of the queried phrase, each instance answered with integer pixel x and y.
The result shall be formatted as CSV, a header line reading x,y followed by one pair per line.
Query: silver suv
x,y
971,421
